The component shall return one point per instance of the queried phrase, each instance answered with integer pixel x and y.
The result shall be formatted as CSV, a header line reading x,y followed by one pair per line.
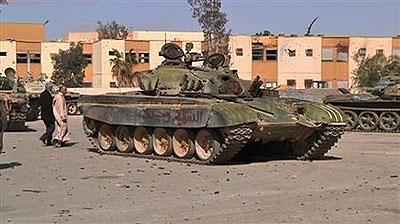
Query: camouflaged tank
x,y
205,115
377,111
15,101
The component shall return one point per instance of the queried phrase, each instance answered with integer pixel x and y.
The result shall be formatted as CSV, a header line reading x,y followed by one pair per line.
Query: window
x,y
3,53
343,53
362,52
239,51
308,83
257,51
292,53
113,85
271,54
111,53
291,82
88,57
379,51
327,54
35,58
22,58
309,52
396,53
144,58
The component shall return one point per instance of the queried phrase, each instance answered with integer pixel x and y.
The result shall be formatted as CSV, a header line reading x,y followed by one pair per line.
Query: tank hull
x,y
369,113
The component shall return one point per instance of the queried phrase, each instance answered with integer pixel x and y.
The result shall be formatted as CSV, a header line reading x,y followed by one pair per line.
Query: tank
x,y
378,110
15,101
33,88
205,114
72,102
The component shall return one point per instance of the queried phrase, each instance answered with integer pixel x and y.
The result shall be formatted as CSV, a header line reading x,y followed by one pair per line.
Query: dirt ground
x,y
358,183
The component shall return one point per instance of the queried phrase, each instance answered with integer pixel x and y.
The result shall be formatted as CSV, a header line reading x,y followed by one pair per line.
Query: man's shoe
x,y
43,139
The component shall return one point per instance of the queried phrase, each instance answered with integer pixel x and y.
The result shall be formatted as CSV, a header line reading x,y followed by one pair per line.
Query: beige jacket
x,y
60,107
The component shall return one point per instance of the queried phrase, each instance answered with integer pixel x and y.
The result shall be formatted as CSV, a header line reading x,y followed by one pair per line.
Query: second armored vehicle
x,y
15,102
205,115
377,111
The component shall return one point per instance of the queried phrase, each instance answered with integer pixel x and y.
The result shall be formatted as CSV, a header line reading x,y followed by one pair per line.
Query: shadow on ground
x,y
11,165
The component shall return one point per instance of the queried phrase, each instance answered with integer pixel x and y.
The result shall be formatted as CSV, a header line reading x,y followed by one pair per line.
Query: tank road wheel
x,y
368,120
106,138
352,119
205,144
142,140
182,143
389,121
72,108
123,140
162,142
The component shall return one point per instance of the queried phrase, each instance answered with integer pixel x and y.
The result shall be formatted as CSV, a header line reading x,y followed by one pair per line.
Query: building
x,y
295,61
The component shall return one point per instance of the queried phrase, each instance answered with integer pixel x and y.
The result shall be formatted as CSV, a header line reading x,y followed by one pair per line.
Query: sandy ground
x,y
359,183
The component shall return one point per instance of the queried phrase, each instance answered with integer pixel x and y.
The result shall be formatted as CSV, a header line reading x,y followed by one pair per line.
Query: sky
x,y
336,17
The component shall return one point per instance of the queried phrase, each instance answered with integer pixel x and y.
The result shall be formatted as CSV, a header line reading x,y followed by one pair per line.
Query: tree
x,y
212,21
122,67
264,33
371,69
112,30
3,2
69,66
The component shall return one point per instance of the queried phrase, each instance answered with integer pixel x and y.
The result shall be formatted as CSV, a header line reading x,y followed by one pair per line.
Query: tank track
x,y
234,140
374,110
323,143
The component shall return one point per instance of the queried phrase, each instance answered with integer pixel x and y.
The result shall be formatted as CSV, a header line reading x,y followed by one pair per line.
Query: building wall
x,y
88,37
22,31
88,50
166,36
24,68
396,45
241,63
299,67
47,50
335,71
266,69
8,61
139,47
371,44
102,76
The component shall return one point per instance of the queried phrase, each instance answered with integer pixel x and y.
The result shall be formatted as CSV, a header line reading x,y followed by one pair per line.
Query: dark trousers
x,y
48,135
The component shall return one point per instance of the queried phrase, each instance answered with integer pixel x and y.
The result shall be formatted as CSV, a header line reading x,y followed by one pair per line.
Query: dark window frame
x,y
271,54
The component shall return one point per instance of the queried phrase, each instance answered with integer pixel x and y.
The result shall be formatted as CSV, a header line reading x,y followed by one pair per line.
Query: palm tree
x,y
122,67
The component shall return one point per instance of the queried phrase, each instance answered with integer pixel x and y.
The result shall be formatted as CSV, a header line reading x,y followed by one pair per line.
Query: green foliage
x,y
111,30
69,66
370,70
213,23
122,67
264,33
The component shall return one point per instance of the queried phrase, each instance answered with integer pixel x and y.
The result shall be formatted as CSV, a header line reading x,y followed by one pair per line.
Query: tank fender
x,y
231,114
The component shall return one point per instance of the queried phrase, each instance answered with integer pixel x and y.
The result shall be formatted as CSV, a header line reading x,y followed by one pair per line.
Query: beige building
x,y
368,47
48,50
299,60
8,56
240,57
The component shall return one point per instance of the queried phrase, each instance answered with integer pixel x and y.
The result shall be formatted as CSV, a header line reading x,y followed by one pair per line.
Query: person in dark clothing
x,y
46,105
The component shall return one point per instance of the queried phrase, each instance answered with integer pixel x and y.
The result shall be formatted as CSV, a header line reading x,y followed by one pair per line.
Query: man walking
x,y
61,113
46,105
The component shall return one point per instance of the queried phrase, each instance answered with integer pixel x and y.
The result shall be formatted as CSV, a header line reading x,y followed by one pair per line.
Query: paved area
x,y
358,183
